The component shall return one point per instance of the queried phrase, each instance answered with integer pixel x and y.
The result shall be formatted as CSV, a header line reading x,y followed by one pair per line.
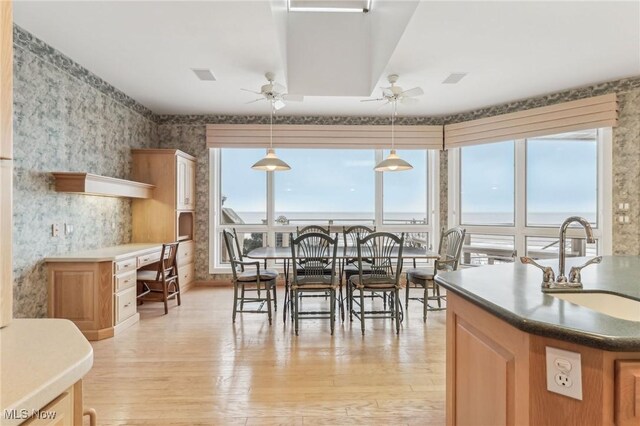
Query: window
x,y
487,184
406,194
243,191
325,185
513,196
335,187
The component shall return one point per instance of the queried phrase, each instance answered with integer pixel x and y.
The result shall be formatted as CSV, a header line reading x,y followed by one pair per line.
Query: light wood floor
x,y
194,367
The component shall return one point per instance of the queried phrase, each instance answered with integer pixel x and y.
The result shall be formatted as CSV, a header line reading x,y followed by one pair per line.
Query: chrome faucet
x,y
561,283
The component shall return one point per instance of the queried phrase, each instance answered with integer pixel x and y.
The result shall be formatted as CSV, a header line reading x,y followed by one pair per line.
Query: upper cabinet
x,y
186,183
168,215
6,79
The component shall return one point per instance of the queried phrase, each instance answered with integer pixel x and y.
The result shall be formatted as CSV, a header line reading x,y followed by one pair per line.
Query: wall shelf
x,y
89,184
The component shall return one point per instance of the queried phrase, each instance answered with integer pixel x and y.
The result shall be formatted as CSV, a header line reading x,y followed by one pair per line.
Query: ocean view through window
x,y
512,196
328,187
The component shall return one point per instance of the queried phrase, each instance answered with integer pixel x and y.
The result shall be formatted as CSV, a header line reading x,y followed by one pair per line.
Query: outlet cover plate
x,y
557,362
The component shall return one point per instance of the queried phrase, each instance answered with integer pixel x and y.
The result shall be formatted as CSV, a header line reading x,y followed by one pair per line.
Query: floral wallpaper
x,y
63,123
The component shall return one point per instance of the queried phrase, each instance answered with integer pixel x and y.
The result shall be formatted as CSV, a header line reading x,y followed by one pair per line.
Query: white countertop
x,y
106,254
39,359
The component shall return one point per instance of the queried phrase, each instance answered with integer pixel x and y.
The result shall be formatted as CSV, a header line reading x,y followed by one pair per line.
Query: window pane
x,y
487,249
487,184
325,187
248,241
405,193
243,190
547,248
562,178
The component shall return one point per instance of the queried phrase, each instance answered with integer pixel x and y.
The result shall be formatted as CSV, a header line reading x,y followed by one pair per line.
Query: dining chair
x,y
313,254
163,283
381,248
313,228
349,266
449,251
247,276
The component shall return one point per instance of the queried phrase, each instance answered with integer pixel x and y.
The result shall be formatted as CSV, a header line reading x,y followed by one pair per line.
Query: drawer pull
x,y
126,265
126,305
92,416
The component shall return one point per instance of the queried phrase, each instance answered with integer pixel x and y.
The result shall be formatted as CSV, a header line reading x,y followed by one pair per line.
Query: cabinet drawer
x,y
186,273
125,304
125,281
125,265
149,258
57,413
186,252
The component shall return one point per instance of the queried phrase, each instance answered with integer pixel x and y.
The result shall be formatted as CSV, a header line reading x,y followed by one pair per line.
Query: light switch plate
x,y
564,372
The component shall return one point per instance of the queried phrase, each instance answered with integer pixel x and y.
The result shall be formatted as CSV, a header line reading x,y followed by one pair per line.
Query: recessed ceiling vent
x,y
204,74
454,78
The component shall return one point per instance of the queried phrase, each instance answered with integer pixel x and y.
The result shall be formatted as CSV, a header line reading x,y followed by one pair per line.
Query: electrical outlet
x,y
564,372
55,230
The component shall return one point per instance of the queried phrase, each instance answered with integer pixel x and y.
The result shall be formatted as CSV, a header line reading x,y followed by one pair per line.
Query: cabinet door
x,y
627,383
6,72
191,186
182,183
6,273
57,413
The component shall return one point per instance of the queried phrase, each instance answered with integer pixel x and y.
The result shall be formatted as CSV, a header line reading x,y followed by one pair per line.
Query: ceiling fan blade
x,y
277,87
251,91
372,100
293,98
416,91
407,101
278,104
384,104
255,100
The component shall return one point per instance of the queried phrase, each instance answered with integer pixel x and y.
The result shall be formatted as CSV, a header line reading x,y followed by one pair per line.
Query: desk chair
x,y
162,284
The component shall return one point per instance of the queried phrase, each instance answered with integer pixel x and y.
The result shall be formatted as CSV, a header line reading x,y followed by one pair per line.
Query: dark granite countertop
x,y
512,292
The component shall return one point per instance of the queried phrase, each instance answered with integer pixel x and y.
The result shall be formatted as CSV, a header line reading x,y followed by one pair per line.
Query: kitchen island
x,y
500,324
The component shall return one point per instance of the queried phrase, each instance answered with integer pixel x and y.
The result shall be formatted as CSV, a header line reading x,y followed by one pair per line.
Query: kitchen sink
x,y
605,303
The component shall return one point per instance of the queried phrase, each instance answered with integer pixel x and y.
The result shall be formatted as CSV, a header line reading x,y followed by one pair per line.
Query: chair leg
x,y
295,310
362,311
406,296
165,297
424,305
235,300
242,298
268,302
350,302
436,289
275,297
397,310
333,309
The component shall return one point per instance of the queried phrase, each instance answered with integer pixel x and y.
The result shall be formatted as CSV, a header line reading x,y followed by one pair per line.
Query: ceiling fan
x,y
395,94
275,93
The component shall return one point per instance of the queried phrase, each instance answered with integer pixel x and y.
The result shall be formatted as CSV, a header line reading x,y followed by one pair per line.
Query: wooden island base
x,y
496,375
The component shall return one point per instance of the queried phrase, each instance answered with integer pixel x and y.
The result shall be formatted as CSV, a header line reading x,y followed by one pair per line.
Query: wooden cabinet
x,y
627,392
65,410
496,374
99,297
6,269
169,215
186,183
6,167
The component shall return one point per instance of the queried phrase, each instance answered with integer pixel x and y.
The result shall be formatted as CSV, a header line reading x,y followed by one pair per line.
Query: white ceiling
x,y
511,50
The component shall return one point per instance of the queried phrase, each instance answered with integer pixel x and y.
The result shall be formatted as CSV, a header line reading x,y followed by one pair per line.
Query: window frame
x,y
520,230
271,228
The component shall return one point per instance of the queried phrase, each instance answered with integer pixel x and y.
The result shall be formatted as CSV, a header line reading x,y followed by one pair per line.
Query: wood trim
x,y
595,112
159,151
90,184
6,80
6,228
323,136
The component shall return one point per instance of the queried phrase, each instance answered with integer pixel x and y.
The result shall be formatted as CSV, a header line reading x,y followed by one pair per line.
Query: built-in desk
x,y
96,289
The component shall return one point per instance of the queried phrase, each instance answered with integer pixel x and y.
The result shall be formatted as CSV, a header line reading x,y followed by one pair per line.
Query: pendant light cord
x,y
271,126
393,116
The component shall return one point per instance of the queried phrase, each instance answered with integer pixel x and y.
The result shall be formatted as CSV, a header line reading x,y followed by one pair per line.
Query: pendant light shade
x,y
271,163
393,163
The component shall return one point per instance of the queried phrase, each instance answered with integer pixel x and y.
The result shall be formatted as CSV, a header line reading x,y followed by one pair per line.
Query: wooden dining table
x,y
284,254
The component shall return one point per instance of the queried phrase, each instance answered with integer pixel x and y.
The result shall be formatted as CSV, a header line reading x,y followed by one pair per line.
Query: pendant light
x,y
271,162
393,163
